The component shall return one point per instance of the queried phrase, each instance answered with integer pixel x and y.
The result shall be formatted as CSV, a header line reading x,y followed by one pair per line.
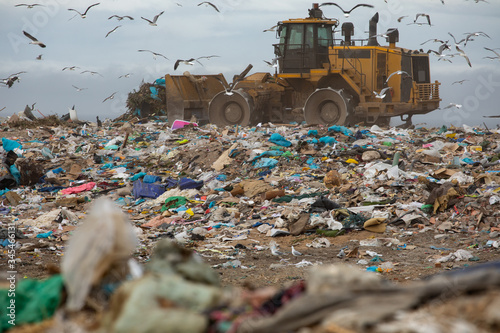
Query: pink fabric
x,y
181,123
78,189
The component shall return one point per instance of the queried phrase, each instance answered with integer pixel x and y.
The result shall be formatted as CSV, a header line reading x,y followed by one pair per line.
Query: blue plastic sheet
x,y
328,140
265,163
45,235
160,82
312,132
154,93
269,153
15,173
187,183
141,189
9,145
340,129
137,176
279,140
311,163
149,179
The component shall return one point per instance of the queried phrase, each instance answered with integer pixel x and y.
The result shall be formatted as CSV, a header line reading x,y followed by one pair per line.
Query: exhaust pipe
x,y
372,39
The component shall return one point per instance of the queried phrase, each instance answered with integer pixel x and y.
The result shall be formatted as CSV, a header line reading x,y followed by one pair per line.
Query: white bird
x,y
453,105
110,96
155,54
152,23
119,18
270,29
459,82
112,30
79,89
496,53
398,73
29,6
346,12
382,94
34,41
273,63
423,15
71,68
274,249
295,252
91,72
84,14
39,57
125,75
474,34
11,79
209,4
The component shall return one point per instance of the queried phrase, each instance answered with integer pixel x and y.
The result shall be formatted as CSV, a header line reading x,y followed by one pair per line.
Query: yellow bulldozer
x,y
319,79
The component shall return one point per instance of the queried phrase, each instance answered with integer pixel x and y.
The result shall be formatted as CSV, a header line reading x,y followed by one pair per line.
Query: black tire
x,y
325,106
234,109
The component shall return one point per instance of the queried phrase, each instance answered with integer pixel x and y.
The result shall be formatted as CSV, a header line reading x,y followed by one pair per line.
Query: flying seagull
x,y
459,82
34,40
496,53
209,4
155,54
192,61
401,18
91,72
71,68
125,75
39,57
119,18
435,40
185,62
227,87
474,34
111,31
397,73
295,252
29,6
11,79
110,96
153,23
270,29
79,89
453,105
423,15
273,63
382,93
84,15
348,12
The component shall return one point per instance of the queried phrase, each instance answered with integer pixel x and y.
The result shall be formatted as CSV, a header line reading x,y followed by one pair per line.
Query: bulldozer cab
x,y
304,43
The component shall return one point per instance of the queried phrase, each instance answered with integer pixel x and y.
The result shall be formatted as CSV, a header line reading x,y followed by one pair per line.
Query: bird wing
x,y
177,64
492,51
156,17
360,5
208,57
332,4
382,92
222,82
21,4
90,7
467,59
29,36
129,17
109,18
428,18
161,55
211,4
113,30
11,75
146,19
76,11
144,51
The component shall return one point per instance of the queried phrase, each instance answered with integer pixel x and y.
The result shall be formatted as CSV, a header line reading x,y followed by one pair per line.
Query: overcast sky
x,y
235,34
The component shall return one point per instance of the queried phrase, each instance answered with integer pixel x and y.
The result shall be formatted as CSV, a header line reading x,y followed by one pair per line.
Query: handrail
x,y
363,76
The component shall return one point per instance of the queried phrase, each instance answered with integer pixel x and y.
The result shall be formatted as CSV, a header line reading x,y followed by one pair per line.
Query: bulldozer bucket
x,y
189,95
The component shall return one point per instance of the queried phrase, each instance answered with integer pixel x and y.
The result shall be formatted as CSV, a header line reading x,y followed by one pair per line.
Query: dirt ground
x,y
261,268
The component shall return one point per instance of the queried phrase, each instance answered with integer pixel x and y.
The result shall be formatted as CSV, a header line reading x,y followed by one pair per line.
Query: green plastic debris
x,y
427,208
173,202
34,301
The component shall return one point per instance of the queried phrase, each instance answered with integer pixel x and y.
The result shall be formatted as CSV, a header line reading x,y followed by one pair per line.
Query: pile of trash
x,y
178,208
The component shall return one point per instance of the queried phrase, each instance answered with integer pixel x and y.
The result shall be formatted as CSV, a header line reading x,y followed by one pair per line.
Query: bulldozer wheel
x,y
227,110
325,106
